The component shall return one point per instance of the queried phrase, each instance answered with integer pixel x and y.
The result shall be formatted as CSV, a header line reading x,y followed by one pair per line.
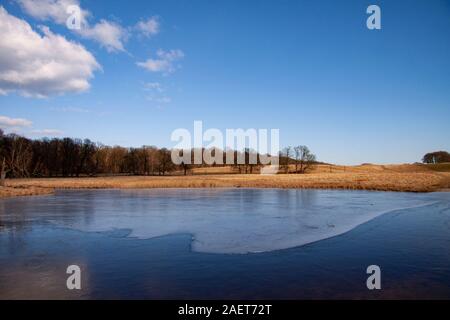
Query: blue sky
x,y
310,68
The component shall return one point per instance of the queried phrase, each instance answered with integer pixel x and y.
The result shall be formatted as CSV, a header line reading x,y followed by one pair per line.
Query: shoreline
x,y
12,192
374,181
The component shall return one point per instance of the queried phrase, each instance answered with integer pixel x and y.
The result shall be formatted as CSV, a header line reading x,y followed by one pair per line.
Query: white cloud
x,y
164,62
6,122
18,125
149,27
55,10
47,132
108,34
41,65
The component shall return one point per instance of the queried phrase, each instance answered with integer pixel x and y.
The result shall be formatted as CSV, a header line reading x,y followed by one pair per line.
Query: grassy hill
x,y
440,167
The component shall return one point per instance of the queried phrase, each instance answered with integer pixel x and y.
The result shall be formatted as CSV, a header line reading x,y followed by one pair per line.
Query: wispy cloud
x,y
156,94
159,102
24,127
164,100
71,109
7,122
164,61
80,111
153,86
149,27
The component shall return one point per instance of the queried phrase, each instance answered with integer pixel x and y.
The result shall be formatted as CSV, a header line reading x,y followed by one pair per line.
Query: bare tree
x,y
3,170
153,159
3,174
286,158
165,161
297,151
305,158
184,165
19,155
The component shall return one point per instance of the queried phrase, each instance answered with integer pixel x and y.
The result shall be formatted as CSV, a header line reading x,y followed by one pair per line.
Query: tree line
x,y
436,157
67,157
21,157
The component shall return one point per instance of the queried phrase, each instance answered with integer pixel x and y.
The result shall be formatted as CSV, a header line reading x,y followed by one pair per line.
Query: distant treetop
x,y
436,157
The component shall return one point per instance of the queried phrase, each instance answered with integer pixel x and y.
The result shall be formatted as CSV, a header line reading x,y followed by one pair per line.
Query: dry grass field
x,y
16,191
407,177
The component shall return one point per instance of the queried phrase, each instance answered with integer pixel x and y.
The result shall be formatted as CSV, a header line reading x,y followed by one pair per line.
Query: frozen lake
x,y
140,231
